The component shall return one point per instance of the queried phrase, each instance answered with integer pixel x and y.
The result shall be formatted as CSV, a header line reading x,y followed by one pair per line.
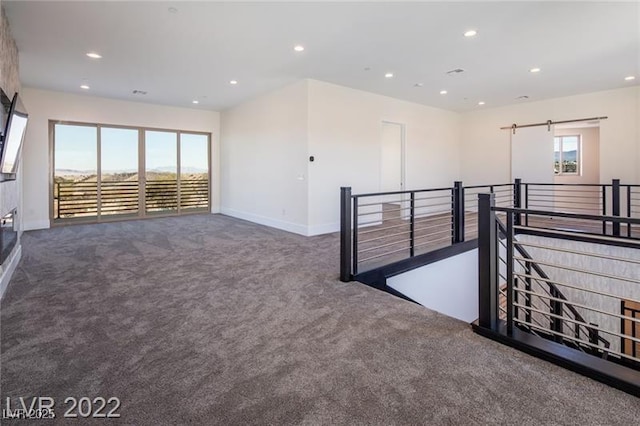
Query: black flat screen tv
x,y
12,137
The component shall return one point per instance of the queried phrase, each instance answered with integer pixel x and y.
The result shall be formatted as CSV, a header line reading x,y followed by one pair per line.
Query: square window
x,y
566,155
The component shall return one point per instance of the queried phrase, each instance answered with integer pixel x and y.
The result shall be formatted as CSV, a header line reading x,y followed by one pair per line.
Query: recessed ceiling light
x,y
85,87
94,55
630,77
298,48
470,33
234,82
388,75
172,10
534,70
443,92
481,103
139,92
195,101
418,85
367,68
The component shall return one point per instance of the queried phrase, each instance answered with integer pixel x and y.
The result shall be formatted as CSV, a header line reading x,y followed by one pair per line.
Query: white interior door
x,y
532,155
391,164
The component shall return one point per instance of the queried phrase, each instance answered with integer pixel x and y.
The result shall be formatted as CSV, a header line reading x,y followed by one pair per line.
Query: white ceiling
x,y
195,52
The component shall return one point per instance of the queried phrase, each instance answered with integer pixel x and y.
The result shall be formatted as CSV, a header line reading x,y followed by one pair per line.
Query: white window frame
x,y
578,171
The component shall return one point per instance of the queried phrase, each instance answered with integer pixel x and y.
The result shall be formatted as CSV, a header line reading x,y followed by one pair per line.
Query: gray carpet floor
x,y
212,320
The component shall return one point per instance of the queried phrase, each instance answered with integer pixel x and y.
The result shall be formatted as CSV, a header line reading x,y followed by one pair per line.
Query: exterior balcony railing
x,y
88,199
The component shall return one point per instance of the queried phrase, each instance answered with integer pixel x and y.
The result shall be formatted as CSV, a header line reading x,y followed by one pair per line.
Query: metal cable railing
x,y
504,196
632,195
580,290
378,229
571,198
392,226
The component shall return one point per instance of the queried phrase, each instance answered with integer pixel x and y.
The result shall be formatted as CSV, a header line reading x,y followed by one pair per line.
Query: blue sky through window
x,y
76,150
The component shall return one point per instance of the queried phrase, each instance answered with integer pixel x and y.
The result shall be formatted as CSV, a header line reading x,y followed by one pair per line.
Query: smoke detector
x,y
455,71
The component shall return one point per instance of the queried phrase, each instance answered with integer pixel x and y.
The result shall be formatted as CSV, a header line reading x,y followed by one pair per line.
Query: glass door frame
x,y
142,214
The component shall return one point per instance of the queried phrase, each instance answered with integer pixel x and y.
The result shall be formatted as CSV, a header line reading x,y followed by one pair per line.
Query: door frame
x,y
402,153
141,176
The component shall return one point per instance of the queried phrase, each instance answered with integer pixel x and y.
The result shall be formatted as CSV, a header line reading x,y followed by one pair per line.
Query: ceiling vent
x,y
455,71
139,92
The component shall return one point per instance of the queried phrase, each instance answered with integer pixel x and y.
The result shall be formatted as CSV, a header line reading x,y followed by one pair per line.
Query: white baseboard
x,y
267,221
7,271
35,224
327,228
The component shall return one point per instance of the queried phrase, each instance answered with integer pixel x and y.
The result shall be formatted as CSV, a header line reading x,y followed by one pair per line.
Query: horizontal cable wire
x,y
580,305
563,208
385,236
377,203
432,198
435,205
379,229
560,196
431,227
579,323
601,256
382,255
567,337
433,233
403,241
556,202
599,274
594,237
432,241
422,219
573,191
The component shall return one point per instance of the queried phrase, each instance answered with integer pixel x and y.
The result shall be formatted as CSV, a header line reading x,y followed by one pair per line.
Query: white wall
x,y
344,136
264,159
449,286
485,148
44,105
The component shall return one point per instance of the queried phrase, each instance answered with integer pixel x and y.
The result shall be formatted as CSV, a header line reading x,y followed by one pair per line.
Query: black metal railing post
x,y
615,205
509,260
558,310
628,209
354,252
526,203
517,199
604,209
412,225
457,209
487,263
527,287
345,233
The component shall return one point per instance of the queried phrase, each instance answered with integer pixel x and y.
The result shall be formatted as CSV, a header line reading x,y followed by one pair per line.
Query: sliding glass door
x,y
108,172
161,171
119,185
194,171
75,191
